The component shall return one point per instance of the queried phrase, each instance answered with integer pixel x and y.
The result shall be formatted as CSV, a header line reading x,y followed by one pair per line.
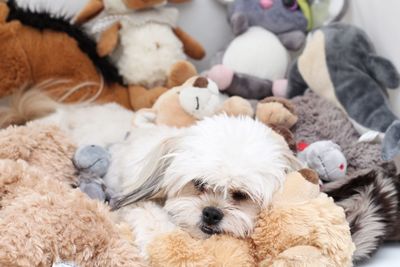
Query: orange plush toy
x,y
38,49
146,45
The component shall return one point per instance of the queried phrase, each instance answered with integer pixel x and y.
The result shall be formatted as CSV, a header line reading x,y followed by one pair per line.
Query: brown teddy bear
x,y
301,227
53,60
43,220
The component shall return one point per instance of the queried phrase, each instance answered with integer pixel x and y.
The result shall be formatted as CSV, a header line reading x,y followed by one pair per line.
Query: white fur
x,y
147,48
226,154
257,52
57,8
99,125
147,53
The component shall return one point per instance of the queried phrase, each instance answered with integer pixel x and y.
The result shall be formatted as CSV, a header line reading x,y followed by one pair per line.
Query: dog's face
x,y
216,176
223,173
202,210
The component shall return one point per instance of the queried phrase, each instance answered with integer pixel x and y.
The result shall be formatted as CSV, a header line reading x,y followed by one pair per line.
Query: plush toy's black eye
x,y
200,186
290,4
239,196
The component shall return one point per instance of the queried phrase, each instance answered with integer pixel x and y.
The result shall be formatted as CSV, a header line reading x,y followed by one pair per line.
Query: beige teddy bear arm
x,y
191,47
108,40
92,9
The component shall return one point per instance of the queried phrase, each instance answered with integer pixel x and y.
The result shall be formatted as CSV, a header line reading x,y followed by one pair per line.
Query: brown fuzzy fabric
x,y
368,193
42,219
31,56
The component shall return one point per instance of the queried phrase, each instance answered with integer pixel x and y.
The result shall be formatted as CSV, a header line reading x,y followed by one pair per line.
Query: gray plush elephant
x,y
339,63
258,59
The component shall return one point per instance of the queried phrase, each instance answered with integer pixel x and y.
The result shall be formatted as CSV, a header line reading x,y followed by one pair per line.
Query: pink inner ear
x,y
266,4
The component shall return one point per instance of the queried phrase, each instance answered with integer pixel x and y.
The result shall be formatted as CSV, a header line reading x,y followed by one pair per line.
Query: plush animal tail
x,y
26,105
31,102
371,203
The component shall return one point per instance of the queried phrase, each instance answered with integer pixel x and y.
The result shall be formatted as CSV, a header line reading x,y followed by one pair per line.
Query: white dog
x,y
211,178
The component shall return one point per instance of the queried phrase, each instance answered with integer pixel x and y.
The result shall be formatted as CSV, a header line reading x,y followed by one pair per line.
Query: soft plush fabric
x,y
31,56
339,63
44,220
368,192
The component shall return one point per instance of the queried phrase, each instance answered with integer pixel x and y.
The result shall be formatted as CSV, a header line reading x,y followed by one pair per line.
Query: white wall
x,y
381,20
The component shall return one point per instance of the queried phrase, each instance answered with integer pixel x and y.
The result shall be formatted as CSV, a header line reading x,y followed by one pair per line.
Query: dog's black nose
x,y
212,216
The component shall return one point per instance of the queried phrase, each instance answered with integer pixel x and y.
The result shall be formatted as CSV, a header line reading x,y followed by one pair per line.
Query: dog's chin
x,y
203,231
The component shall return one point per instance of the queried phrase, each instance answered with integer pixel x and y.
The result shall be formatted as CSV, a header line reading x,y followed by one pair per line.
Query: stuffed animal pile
x,y
54,204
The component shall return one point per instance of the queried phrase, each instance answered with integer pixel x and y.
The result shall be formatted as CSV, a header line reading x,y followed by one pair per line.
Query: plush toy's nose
x,y
266,4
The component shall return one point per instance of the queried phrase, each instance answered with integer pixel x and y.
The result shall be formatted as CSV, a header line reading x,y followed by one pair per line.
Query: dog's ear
x,y
149,182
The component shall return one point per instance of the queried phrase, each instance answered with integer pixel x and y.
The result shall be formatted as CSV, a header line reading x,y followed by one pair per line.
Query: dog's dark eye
x,y
200,186
239,196
290,4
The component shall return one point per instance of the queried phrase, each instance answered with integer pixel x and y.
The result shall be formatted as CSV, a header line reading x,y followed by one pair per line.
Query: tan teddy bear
x,y
43,220
199,97
301,227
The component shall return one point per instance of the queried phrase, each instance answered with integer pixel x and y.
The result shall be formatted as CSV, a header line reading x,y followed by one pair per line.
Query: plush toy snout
x,y
266,4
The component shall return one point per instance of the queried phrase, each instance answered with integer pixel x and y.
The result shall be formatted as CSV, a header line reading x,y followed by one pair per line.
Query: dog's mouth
x,y
209,230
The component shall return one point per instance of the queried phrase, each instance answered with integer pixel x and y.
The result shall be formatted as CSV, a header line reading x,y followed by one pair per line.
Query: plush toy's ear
x,y
4,11
310,175
383,71
239,23
92,9
286,134
108,40
191,47
141,4
178,1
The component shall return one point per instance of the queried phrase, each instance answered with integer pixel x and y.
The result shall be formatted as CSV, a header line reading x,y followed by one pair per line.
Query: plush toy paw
x,y
276,111
142,4
141,97
180,72
300,256
92,159
279,88
237,106
144,117
94,189
391,142
221,75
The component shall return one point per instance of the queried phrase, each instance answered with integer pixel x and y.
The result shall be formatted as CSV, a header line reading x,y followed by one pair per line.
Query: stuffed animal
x,y
76,11
256,61
92,163
340,65
301,227
325,157
147,46
368,179
38,50
199,97
43,220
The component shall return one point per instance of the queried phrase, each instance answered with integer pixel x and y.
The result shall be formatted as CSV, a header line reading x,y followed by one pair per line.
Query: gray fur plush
x,y
290,26
92,163
369,192
358,78
285,23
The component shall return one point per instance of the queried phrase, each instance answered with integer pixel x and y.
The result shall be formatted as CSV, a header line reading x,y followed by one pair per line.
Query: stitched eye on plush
x,y
291,4
239,196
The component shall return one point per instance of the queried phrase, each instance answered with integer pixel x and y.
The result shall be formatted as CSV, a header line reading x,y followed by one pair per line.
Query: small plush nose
x,y
266,4
212,216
